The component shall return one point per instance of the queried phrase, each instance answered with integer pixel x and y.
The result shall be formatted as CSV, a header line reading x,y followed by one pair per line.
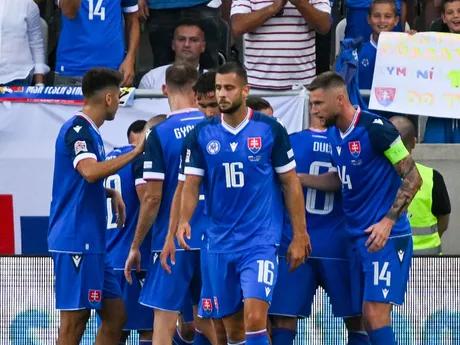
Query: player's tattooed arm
x,y
411,183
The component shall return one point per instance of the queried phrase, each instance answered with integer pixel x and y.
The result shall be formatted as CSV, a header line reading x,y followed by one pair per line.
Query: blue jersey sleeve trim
x,y
130,9
148,175
285,168
83,156
181,177
194,171
139,181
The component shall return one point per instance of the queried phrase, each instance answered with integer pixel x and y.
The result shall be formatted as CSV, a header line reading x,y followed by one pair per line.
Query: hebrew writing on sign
x,y
417,74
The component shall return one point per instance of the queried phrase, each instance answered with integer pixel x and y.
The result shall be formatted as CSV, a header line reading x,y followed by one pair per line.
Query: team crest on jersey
x,y
254,144
213,147
80,146
385,95
94,296
207,305
355,148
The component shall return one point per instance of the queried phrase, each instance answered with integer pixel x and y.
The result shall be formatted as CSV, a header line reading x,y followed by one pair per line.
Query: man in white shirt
x,y
279,39
188,44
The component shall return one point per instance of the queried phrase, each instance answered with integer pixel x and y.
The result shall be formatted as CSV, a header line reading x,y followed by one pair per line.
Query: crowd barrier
x,y
430,316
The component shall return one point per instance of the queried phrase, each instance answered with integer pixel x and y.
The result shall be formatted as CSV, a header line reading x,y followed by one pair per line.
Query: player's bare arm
x,y
188,203
411,183
92,170
118,205
69,8
150,205
133,31
169,248
300,247
328,182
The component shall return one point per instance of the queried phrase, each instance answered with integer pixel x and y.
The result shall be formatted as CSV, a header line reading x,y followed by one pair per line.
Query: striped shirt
x,y
281,52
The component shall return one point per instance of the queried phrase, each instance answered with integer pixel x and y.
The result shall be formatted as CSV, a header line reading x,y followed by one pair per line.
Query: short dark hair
x,y
257,103
179,76
444,2
381,2
206,83
406,129
98,78
326,80
136,127
190,22
233,67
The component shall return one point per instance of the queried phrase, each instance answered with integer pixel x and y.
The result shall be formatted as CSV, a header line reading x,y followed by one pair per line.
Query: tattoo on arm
x,y
411,183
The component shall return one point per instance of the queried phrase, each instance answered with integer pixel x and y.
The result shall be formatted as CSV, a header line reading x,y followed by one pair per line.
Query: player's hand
x,y
120,209
127,69
278,5
298,251
140,144
184,231
411,32
169,250
379,234
143,12
134,258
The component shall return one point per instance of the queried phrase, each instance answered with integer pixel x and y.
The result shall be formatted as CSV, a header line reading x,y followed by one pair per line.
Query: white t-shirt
x,y
156,78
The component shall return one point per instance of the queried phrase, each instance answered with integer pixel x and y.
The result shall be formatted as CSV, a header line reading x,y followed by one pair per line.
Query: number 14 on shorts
x,y
381,273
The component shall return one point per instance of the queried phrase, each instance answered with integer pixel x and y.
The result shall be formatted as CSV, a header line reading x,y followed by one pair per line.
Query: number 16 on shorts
x,y
266,274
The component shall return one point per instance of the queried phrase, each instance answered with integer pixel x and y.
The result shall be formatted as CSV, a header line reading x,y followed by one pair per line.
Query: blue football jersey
x,y
369,180
366,57
162,155
95,37
125,182
242,190
324,212
78,208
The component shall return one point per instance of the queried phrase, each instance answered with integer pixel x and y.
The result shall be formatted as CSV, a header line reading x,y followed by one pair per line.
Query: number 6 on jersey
x,y
233,177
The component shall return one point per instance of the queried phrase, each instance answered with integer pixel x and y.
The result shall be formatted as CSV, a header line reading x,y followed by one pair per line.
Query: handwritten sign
x,y
68,95
418,74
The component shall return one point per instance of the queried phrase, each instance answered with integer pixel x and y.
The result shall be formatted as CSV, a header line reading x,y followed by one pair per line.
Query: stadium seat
x,y
44,27
339,34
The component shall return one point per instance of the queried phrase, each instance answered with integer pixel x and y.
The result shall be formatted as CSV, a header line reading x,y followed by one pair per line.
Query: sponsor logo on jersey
x,y
207,305
213,147
355,148
254,144
94,296
385,95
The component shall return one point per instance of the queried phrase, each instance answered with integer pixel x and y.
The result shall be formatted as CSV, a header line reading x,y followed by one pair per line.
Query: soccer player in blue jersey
x,y
206,310
130,184
77,228
327,266
379,180
93,34
164,292
244,160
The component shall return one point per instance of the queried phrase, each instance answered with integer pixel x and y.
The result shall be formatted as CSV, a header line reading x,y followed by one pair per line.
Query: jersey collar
x,y
317,130
241,126
183,111
83,115
353,123
374,44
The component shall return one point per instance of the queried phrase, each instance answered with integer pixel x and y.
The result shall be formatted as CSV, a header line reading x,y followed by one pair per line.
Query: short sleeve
x,y
282,153
441,203
138,170
129,6
154,164
241,7
183,154
79,143
385,139
322,5
194,159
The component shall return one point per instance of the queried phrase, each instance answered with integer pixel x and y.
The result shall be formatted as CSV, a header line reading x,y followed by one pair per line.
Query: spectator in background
x,y
382,17
441,130
163,17
430,209
259,104
188,44
22,57
280,39
205,94
93,35
357,18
